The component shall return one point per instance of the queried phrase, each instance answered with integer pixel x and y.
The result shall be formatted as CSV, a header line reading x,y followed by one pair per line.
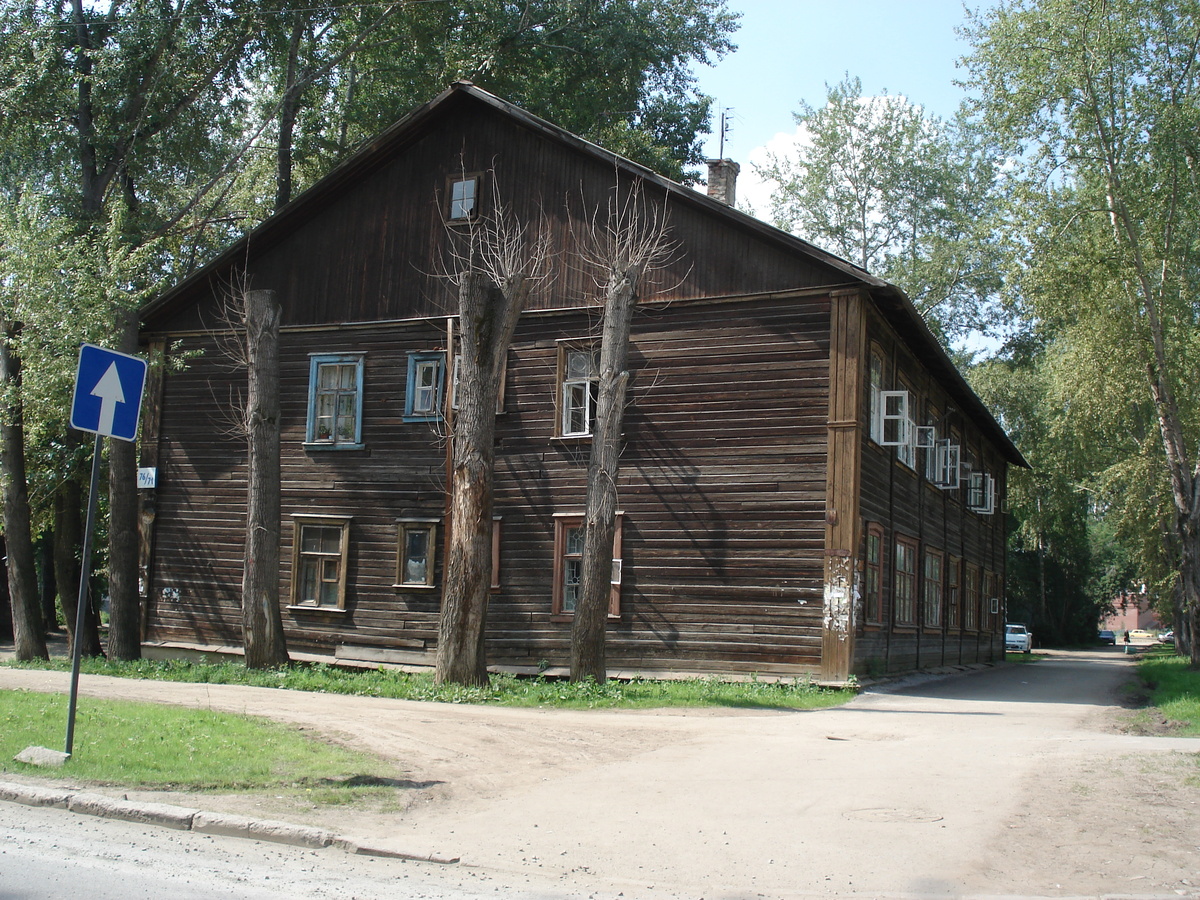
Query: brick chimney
x,y
722,180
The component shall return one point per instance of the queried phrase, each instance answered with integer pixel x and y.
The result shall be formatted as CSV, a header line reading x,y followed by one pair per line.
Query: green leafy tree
x,y
898,192
1097,102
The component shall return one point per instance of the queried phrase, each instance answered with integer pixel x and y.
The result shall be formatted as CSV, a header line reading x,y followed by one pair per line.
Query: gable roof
x,y
893,303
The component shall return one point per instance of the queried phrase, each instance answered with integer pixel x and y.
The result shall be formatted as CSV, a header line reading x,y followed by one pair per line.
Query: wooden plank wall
x,y
842,528
374,251
905,502
722,488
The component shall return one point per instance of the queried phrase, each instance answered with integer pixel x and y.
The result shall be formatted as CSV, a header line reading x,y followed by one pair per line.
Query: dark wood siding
x,y
722,489
905,502
374,251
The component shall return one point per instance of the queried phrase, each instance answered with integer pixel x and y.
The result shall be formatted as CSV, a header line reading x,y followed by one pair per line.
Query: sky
x,y
788,50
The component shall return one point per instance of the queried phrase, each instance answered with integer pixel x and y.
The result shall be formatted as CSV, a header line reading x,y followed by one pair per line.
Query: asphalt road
x,y
993,783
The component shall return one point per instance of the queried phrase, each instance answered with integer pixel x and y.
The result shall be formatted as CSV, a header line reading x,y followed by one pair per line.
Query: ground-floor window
x,y
320,548
568,565
416,551
933,588
905,581
971,601
873,574
953,594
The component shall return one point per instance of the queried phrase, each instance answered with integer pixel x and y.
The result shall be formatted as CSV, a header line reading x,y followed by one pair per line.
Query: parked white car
x,y
1017,639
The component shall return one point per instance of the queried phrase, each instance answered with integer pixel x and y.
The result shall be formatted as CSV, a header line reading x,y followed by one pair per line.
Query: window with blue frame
x,y
426,380
335,401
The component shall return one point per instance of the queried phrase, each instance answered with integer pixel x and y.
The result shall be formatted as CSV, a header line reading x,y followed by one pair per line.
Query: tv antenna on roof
x,y
726,127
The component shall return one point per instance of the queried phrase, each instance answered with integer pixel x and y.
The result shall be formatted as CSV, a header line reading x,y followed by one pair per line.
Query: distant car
x,y
1017,639
1167,637
1106,637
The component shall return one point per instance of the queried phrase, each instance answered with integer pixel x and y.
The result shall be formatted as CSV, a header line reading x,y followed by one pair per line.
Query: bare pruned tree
x,y
629,239
251,341
495,263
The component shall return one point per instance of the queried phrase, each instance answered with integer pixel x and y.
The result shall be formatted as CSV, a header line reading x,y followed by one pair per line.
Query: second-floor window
x,y
335,400
426,376
579,380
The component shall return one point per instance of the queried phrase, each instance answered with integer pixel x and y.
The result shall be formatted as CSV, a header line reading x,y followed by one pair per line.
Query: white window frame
x,y
895,419
946,463
577,393
875,379
981,493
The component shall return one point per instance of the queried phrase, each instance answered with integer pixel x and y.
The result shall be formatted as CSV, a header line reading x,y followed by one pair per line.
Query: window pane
x,y
573,576
581,364
327,377
329,593
416,556
331,539
329,571
462,198
575,541
347,382
310,538
308,581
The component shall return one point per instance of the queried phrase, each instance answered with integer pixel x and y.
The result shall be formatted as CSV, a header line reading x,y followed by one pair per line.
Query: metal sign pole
x,y
81,612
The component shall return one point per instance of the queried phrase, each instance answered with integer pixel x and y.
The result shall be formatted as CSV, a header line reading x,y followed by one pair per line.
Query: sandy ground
x,y
1017,780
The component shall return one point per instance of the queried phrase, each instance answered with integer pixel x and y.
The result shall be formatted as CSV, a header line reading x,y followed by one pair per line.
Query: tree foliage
x,y
901,193
1097,104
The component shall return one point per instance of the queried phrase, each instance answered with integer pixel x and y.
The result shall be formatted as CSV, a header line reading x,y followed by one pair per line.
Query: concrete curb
x,y
183,818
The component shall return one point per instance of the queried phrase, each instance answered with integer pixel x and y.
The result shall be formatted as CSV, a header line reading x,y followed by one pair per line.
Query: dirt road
x,y
1008,781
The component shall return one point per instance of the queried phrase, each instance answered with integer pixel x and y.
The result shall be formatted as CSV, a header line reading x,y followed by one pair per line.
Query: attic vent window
x,y
464,195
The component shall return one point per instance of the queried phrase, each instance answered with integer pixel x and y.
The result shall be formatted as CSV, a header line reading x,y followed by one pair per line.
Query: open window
x,y
578,385
875,395
895,418
423,395
945,458
981,493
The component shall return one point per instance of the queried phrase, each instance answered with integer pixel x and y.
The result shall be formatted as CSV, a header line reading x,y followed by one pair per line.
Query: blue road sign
x,y
108,392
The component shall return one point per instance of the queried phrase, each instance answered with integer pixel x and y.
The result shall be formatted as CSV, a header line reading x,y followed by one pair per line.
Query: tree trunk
x,y
29,636
262,623
288,110
68,544
589,627
47,588
6,621
125,620
485,334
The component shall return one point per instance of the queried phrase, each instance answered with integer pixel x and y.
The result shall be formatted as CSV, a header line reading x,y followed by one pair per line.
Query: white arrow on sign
x,y
108,389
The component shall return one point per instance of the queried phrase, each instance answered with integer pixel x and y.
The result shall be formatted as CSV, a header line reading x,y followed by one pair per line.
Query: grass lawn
x,y
502,690
1174,689
158,746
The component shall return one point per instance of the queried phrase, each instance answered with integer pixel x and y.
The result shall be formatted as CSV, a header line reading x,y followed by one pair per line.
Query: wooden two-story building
x,y
807,483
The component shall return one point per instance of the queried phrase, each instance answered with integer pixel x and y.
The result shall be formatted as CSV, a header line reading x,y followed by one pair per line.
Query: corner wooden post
x,y
847,348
